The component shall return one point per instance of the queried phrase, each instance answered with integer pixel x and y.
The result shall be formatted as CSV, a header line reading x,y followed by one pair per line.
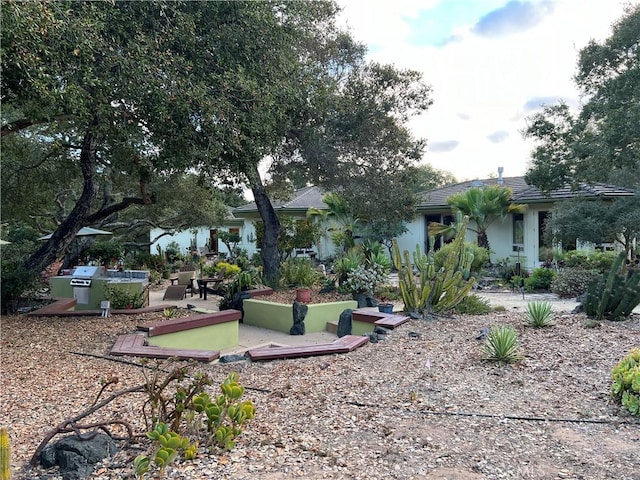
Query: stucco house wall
x,y
433,205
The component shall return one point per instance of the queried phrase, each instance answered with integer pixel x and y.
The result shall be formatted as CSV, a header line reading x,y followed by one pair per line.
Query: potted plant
x,y
301,275
384,305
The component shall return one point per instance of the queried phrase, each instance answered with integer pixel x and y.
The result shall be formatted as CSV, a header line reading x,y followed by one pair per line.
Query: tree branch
x,y
23,123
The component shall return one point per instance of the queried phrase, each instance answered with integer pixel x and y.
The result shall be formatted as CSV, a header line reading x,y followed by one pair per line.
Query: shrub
x,y
365,280
501,345
122,299
473,305
299,272
539,314
626,382
573,281
600,261
540,279
480,256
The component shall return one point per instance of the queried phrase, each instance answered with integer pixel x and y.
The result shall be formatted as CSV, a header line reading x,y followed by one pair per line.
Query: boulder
x,y
76,456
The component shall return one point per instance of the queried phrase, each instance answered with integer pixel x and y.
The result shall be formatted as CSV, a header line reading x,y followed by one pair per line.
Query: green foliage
x,y
480,256
434,291
595,260
170,312
120,298
625,387
484,205
572,281
347,263
230,269
225,415
293,234
104,251
299,273
365,279
169,445
539,314
615,295
501,345
540,279
473,305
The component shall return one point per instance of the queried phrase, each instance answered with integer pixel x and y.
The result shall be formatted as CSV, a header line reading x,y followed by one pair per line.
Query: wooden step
x,y
345,344
387,320
135,345
192,321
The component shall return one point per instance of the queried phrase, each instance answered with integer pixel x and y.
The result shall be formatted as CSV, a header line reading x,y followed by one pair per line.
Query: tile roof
x,y
522,192
303,199
311,196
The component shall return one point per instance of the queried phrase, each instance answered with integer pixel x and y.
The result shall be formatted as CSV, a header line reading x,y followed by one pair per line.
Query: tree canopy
x,y
601,143
126,97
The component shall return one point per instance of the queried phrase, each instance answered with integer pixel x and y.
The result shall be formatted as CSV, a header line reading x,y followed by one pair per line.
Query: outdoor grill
x,y
88,284
82,275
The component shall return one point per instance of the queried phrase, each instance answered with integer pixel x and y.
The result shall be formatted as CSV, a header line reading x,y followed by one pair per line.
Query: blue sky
x,y
491,63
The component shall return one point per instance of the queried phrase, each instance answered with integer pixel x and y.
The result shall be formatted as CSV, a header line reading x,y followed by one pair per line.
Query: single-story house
x,y
517,237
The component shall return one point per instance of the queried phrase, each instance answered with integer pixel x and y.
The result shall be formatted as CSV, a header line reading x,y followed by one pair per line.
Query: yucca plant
x,y
539,314
501,345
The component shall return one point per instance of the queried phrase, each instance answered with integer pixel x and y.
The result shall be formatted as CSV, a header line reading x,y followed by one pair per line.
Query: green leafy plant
x,y
169,445
540,279
170,312
615,295
226,414
299,273
626,382
539,314
120,298
473,305
501,345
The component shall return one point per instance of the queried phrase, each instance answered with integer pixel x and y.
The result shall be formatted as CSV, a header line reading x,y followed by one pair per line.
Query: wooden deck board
x,y
345,344
135,345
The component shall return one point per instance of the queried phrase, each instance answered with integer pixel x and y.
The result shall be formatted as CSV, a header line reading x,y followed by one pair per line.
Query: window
x,y
518,231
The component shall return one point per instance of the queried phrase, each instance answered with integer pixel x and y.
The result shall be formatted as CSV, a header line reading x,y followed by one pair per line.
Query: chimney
x,y
500,179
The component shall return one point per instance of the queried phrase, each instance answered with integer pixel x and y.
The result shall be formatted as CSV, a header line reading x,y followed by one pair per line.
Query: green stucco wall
x,y
279,316
211,337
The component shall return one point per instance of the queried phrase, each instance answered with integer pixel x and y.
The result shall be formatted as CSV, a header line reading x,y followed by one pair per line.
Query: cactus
x,y
614,296
5,455
435,291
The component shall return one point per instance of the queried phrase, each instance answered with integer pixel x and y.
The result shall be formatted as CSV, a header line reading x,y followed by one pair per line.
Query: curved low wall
x,y
279,316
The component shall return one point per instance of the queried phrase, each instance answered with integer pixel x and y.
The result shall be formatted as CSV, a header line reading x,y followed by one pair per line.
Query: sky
x,y
490,63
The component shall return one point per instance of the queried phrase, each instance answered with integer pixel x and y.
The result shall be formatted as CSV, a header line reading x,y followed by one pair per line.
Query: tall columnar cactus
x,y
435,291
615,295
5,455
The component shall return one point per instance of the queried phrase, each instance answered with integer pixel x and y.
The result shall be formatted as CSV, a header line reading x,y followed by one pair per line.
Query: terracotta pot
x,y
303,295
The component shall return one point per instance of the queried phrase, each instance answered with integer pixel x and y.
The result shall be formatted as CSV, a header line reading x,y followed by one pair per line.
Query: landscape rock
x,y
344,323
299,313
75,456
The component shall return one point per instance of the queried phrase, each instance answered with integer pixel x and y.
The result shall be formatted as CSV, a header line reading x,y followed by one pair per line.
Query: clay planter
x,y
303,295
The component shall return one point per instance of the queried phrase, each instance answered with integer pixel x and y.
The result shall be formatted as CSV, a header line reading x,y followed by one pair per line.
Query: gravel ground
x,y
420,404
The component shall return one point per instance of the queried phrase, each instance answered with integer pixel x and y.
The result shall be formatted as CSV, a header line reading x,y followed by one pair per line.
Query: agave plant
x,y
501,345
539,314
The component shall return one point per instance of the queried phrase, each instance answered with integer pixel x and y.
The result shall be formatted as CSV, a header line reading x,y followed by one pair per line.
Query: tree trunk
x,y
54,248
269,247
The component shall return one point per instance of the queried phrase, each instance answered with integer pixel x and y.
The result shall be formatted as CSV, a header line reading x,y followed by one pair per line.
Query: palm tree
x,y
482,205
343,221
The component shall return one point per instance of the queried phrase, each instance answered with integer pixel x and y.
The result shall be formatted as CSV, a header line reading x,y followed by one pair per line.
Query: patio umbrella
x,y
83,232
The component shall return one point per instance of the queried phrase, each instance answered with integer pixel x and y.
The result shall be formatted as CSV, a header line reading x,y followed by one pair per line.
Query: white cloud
x,y
483,84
